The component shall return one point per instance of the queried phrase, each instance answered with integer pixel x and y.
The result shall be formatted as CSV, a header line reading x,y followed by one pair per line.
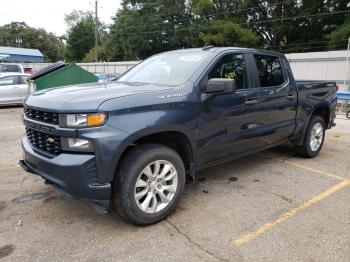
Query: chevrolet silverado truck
x,y
131,144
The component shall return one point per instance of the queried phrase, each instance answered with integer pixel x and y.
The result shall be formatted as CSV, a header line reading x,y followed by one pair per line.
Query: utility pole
x,y
18,41
346,76
96,31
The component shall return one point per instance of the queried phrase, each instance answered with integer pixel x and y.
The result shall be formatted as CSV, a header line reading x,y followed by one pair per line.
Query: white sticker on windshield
x,y
190,58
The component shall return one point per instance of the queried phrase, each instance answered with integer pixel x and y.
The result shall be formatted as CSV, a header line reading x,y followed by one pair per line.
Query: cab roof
x,y
215,50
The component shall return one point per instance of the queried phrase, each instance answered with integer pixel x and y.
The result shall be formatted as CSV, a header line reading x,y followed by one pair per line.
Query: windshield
x,y
168,68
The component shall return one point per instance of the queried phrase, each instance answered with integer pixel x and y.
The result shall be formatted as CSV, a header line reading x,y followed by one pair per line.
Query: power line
x,y
211,15
308,48
161,4
103,47
245,23
306,43
311,43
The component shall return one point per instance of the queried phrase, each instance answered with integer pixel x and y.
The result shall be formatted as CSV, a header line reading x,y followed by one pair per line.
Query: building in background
x,y
20,55
328,66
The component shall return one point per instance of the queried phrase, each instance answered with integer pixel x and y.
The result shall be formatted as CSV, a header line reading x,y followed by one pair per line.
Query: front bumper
x,y
71,173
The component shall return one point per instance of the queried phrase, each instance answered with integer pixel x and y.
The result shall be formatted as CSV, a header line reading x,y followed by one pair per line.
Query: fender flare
x,y
300,140
130,140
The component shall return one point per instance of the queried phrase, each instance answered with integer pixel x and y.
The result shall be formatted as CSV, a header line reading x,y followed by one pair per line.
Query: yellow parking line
x,y
319,172
283,217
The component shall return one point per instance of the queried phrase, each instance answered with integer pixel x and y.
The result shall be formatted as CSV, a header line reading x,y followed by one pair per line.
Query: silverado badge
x,y
50,140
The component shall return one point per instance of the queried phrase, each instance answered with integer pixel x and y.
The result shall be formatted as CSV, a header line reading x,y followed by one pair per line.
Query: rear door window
x,y
22,80
270,70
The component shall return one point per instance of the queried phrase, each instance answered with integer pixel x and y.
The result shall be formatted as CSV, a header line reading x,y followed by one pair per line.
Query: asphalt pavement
x,y
271,206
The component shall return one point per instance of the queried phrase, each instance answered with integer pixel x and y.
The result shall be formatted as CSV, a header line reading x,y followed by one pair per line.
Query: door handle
x,y
251,102
290,97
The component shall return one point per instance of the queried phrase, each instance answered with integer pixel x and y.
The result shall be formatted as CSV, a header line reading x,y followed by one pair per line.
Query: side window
x,y
231,66
8,80
22,80
270,70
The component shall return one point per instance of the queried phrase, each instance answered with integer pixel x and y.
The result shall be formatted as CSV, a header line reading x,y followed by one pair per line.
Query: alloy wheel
x,y
156,186
316,136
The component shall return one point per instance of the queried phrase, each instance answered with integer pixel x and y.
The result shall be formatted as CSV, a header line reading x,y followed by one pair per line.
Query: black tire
x,y
130,169
305,149
348,114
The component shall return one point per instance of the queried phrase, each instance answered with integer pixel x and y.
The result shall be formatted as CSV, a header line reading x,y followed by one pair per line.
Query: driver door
x,y
226,120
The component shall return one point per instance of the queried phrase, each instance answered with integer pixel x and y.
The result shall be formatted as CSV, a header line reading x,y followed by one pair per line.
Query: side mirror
x,y
220,85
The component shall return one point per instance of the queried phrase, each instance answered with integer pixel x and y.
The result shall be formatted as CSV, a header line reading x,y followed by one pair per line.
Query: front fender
x,y
176,117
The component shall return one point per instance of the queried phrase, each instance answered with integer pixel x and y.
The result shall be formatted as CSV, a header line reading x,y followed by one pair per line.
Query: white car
x,y
11,68
13,88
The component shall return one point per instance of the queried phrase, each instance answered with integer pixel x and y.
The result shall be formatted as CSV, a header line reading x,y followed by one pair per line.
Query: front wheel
x,y
149,183
314,138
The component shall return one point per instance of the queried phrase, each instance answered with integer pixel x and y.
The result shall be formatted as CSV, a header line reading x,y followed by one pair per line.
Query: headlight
x,y
83,120
76,145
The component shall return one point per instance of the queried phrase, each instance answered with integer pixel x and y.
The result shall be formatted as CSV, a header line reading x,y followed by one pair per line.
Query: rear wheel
x,y
149,183
314,138
348,114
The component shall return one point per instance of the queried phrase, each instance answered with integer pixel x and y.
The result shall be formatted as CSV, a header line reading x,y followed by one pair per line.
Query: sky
x,y
49,14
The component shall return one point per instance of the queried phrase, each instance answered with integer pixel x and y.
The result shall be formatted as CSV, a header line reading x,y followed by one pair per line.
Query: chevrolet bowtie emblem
x,y
50,140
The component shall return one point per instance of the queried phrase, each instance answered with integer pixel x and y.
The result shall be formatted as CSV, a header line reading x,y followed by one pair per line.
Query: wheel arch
x,y
177,138
323,110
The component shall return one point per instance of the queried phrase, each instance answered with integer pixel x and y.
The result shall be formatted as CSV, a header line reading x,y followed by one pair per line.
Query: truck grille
x,y
45,142
46,117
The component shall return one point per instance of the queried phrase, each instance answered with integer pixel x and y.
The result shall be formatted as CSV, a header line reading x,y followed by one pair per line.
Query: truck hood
x,y
86,97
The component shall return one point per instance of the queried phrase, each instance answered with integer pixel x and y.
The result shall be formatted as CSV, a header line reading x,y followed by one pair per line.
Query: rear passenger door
x,y
277,99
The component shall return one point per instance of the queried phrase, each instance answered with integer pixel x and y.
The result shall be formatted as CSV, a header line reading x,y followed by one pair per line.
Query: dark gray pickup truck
x,y
133,143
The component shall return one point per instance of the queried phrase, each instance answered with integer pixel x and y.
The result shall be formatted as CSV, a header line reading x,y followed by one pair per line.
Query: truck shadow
x,y
9,107
241,165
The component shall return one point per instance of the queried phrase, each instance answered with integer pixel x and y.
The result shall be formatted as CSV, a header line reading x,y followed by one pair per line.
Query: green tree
x,y
11,32
311,32
340,36
50,45
227,33
142,28
90,56
223,28
81,35
294,25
